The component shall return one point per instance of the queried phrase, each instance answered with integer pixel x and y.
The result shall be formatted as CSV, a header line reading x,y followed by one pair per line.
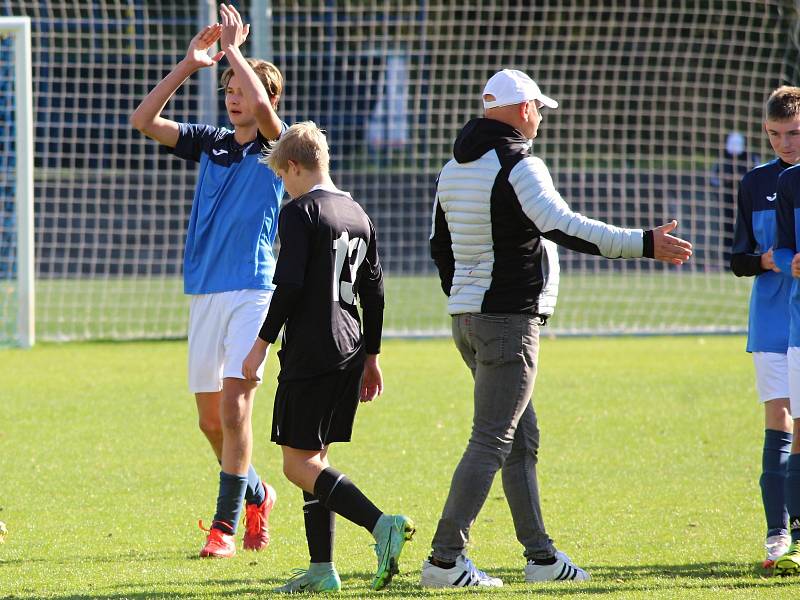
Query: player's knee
x,y
210,426
291,472
235,420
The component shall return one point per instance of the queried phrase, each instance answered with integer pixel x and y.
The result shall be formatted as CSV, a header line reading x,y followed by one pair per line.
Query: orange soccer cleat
x,y
256,521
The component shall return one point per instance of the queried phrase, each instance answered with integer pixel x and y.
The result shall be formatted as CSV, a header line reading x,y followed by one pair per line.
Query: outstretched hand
x,y
669,248
197,54
234,32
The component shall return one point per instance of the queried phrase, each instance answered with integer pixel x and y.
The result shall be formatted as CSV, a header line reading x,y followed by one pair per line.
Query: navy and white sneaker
x,y
463,574
561,570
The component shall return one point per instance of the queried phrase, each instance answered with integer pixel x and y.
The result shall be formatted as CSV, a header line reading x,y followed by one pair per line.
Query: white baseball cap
x,y
510,86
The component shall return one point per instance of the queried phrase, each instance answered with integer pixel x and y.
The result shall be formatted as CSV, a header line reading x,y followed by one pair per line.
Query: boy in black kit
x,y
328,258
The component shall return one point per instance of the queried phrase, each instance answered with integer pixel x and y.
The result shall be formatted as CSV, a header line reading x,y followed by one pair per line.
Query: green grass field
x,y
134,308
649,471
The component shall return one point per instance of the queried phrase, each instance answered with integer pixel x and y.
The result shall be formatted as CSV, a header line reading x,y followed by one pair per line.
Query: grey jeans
x,y
501,350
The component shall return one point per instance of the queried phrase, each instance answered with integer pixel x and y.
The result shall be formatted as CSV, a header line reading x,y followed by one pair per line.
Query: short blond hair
x,y
303,143
783,104
269,75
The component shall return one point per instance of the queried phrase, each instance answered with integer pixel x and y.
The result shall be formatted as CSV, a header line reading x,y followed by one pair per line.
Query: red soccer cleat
x,y
256,521
218,544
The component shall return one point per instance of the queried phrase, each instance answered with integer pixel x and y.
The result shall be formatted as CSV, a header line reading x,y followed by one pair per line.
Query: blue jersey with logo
x,y
234,213
768,328
786,242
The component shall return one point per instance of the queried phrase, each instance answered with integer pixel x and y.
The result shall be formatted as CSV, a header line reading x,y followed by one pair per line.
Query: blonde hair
x,y
303,143
267,73
783,104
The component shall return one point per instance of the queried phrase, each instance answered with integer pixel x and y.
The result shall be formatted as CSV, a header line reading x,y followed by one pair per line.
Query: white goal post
x,y
19,29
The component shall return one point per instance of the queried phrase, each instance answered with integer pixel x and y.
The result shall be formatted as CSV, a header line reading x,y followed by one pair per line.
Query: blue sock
x,y
255,491
793,496
777,445
229,502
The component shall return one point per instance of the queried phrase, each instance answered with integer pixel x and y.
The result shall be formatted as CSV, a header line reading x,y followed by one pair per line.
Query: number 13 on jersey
x,y
345,248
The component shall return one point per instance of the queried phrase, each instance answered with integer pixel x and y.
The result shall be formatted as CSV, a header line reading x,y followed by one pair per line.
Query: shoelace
x,y
200,525
252,521
297,574
473,569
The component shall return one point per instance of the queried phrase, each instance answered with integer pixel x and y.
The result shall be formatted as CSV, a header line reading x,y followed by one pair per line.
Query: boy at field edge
x,y
768,329
787,259
228,261
329,258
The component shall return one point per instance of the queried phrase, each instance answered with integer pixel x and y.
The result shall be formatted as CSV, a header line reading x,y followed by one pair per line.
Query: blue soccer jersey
x,y
786,242
234,213
768,327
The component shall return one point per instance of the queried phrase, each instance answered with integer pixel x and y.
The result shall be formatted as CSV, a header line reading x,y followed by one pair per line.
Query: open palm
x,y
200,44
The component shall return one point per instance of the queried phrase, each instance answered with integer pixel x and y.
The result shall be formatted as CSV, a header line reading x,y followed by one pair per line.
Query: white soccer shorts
x,y
772,375
222,329
793,358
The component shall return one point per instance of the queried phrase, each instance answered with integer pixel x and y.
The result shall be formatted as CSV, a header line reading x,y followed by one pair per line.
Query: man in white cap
x,y
496,221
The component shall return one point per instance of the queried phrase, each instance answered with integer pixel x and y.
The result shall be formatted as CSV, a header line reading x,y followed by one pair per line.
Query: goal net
x,y
651,94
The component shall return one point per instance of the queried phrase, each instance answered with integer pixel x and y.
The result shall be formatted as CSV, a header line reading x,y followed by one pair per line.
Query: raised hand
x,y
234,32
197,55
669,248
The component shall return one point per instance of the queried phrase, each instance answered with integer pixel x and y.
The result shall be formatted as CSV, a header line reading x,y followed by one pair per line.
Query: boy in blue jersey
x,y
228,261
787,259
768,328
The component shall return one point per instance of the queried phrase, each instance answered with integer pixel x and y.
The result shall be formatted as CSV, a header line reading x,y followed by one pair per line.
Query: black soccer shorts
x,y
311,413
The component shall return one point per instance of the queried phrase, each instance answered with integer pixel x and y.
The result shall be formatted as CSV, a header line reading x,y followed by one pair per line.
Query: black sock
x,y
320,529
339,494
440,563
544,561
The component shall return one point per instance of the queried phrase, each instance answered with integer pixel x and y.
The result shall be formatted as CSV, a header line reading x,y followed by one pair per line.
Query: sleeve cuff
x,y
648,246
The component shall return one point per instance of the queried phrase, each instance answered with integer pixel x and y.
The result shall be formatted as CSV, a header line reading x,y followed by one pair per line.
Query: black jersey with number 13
x,y
329,258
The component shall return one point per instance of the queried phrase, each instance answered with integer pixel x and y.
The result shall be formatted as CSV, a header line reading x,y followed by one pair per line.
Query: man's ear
x,y
525,110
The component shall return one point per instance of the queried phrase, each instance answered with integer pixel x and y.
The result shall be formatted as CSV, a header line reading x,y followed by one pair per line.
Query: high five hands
x,y
231,32
197,55
234,31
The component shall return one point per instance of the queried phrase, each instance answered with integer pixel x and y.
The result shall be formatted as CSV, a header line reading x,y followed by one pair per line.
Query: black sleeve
x,y
648,245
294,228
746,265
283,301
744,261
572,242
193,140
371,296
442,248
296,234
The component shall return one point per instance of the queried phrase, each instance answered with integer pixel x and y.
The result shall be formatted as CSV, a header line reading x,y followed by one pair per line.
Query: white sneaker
x,y
561,570
776,546
463,574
